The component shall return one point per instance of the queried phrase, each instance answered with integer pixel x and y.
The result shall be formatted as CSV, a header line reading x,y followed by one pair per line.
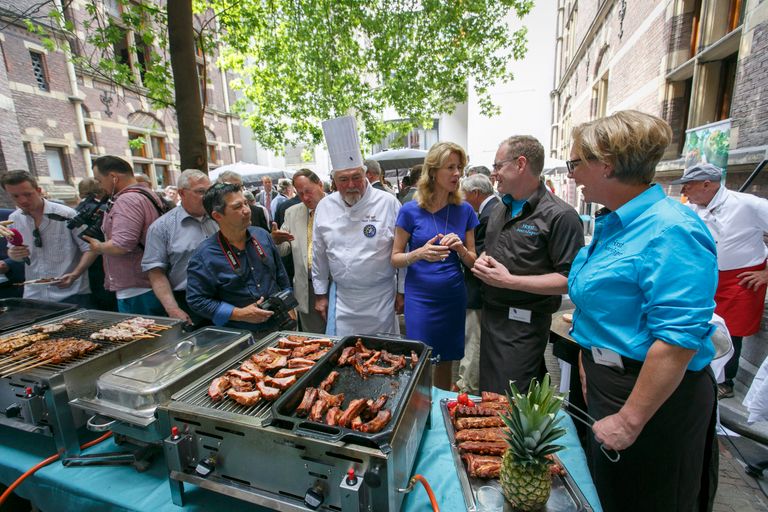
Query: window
x,y
142,59
31,165
599,98
201,83
90,134
122,55
696,27
735,14
138,144
141,168
158,148
725,90
38,68
57,163
212,153
162,174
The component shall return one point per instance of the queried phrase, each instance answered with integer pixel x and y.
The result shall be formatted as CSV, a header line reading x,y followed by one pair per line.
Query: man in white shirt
x,y
50,248
353,233
738,223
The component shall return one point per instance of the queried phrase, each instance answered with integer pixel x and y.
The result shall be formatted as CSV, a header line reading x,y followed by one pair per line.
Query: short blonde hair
x,y
631,142
436,159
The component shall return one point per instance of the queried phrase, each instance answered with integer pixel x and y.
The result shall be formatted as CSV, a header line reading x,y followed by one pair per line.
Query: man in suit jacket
x,y
299,220
266,196
478,192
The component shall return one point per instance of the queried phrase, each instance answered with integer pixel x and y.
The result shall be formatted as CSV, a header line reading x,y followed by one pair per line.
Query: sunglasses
x,y
38,239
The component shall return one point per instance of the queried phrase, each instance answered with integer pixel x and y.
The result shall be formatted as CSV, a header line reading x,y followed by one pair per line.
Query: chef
x,y
351,242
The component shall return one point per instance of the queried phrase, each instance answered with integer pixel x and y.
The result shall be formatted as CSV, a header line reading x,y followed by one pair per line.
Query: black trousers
x,y
511,349
197,320
668,466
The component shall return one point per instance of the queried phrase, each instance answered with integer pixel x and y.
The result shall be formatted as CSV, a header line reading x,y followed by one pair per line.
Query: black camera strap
x,y
232,258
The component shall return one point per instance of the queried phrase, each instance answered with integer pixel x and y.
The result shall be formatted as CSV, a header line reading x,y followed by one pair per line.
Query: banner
x,y
709,143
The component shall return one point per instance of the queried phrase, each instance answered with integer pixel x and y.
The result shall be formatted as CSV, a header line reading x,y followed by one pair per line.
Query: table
x,y
56,488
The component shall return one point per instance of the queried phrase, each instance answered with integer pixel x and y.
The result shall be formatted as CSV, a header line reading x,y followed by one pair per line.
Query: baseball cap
x,y
700,172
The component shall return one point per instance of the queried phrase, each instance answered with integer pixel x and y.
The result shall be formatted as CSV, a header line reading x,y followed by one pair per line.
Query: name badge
x,y
521,315
607,357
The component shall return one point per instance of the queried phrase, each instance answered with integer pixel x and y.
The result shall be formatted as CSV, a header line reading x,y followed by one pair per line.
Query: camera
x,y
280,304
90,216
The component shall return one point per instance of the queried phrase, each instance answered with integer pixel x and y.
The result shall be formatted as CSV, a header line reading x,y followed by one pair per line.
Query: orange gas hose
x,y
427,488
42,464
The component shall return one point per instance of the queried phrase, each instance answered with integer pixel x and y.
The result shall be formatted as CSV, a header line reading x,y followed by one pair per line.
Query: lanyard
x,y
232,258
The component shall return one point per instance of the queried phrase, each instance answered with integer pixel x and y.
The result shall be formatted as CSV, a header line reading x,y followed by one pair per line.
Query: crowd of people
x,y
477,260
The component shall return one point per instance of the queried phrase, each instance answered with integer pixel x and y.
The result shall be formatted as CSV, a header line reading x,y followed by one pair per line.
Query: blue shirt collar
x,y
631,210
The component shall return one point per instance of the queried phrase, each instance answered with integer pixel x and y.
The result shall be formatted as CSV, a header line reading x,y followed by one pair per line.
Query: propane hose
x,y
53,458
412,483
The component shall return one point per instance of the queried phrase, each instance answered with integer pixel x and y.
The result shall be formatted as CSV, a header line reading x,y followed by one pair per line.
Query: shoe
x,y
724,391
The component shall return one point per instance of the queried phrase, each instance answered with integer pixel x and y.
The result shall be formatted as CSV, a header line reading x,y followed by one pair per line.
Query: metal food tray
x,y
15,313
397,387
566,495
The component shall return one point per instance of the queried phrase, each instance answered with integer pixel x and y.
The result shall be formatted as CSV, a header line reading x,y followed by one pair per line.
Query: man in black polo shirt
x,y
529,246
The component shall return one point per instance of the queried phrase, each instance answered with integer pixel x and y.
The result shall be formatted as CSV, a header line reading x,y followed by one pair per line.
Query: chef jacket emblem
x,y
369,230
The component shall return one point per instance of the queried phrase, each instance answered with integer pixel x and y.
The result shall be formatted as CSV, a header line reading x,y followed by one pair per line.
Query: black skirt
x,y
669,466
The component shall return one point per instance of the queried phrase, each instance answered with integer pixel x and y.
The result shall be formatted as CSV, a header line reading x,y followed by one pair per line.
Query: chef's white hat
x,y
343,143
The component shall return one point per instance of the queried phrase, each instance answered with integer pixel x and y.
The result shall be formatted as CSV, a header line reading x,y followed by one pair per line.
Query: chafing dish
x,y
264,455
37,399
127,396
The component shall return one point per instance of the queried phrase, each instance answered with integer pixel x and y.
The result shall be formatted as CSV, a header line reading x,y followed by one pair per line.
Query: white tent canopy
x,y
398,158
252,173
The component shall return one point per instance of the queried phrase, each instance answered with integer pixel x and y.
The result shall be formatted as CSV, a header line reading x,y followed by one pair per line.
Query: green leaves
x,y
532,422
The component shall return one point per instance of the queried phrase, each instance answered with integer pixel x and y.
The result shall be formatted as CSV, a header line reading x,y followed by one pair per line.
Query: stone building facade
x,y
691,62
57,118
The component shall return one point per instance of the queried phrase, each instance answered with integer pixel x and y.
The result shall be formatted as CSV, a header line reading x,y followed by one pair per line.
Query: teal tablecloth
x,y
56,488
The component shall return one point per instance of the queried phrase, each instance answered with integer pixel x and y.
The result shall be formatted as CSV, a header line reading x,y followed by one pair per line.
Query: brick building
x,y
57,118
691,62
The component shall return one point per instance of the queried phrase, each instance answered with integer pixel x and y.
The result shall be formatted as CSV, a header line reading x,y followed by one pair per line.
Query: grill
x,y
37,399
15,313
224,447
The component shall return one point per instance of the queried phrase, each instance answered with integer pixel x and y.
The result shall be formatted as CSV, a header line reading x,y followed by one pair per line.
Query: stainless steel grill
x,y
45,409
222,447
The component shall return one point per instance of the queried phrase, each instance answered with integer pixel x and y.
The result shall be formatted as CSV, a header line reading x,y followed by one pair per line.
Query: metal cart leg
x,y
177,491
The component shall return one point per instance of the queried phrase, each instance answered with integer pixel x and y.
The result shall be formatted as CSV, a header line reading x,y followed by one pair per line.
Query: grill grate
x,y
197,394
94,321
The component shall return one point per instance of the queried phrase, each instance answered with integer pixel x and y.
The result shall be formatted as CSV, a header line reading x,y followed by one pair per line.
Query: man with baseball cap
x,y
738,223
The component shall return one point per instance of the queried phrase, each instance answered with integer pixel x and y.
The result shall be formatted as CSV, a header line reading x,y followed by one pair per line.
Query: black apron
x,y
668,466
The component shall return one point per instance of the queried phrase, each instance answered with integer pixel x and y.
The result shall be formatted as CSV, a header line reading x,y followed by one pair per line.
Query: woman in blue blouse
x,y
644,295
438,228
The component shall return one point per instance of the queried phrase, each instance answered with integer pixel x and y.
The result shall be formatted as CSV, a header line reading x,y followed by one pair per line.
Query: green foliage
x,y
303,61
297,62
137,143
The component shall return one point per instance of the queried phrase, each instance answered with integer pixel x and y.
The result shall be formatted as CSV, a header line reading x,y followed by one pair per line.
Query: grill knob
x,y
13,411
205,467
314,497
372,477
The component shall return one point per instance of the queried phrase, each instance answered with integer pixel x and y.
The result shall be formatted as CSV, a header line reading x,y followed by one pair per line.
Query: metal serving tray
x,y
132,392
566,495
397,387
15,313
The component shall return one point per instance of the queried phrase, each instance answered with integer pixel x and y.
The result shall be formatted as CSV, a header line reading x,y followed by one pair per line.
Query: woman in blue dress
x,y
438,230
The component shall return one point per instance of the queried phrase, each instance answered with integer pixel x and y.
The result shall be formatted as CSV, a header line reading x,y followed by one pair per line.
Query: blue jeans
x,y
144,304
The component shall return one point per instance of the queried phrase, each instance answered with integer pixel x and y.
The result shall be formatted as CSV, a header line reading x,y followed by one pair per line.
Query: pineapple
x,y
532,428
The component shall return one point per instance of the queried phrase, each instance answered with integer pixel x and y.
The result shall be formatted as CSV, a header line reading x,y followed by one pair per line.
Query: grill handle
x,y
313,431
99,427
184,349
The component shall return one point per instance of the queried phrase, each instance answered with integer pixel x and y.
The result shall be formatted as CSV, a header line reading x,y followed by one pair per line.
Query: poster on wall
x,y
708,144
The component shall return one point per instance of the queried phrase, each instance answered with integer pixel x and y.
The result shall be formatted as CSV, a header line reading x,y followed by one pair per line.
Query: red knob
x,y
174,432
351,477
28,391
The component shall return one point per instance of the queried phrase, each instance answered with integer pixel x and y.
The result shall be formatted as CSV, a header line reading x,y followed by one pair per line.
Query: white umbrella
x,y
399,158
252,173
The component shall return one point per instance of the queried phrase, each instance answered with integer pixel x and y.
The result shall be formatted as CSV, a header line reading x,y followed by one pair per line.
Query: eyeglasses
x,y
38,239
497,166
571,164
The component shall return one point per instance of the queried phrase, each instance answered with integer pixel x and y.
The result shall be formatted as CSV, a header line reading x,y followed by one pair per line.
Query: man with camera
x,y
134,208
49,248
171,241
236,277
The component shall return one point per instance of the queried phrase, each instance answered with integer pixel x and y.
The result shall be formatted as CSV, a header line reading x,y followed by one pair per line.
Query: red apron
x,y
741,307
